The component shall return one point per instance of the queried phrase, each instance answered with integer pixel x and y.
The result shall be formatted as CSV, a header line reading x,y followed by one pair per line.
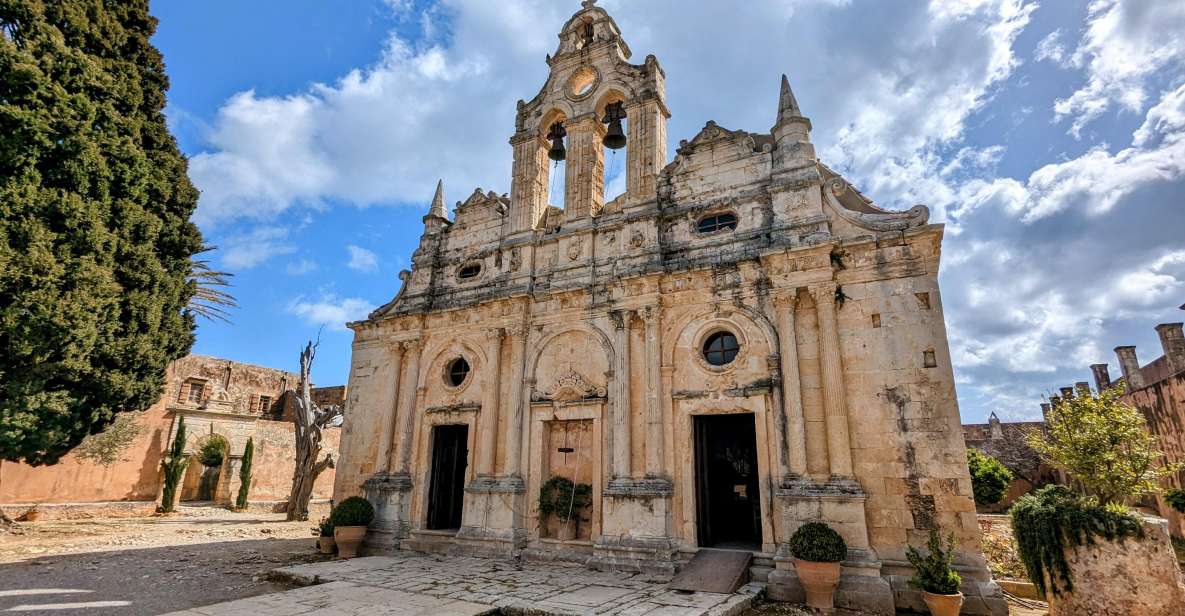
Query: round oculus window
x,y
721,348
457,371
583,82
469,271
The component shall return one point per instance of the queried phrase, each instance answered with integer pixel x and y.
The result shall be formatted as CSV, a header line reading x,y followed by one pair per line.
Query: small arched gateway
x,y
738,344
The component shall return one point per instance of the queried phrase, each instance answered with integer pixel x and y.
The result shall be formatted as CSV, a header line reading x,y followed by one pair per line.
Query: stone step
x,y
716,571
428,542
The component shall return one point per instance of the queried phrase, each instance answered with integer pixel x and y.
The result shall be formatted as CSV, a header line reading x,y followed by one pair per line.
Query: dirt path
x,y
146,565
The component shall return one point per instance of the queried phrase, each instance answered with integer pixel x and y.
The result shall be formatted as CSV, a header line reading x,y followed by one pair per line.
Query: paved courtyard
x,y
413,585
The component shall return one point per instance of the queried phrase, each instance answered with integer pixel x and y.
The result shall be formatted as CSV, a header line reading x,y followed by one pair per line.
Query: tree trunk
x,y
309,421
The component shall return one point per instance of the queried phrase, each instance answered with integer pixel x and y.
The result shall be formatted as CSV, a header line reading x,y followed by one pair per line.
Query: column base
x,y
635,534
391,496
492,524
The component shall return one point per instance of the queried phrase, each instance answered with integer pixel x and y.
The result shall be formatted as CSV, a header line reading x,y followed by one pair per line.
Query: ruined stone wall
x,y
1163,406
1006,442
274,461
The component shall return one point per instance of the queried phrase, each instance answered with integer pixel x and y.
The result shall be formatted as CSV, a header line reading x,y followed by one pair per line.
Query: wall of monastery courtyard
x,y
216,396
591,326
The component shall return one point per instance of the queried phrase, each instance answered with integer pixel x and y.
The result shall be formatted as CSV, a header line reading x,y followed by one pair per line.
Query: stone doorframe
x,y
460,415
685,410
545,411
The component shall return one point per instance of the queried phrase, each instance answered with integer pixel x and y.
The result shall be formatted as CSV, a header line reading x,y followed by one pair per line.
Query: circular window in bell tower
x,y
583,82
456,372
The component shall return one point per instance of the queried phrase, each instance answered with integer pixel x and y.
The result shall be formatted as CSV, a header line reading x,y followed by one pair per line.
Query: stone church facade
x,y
740,343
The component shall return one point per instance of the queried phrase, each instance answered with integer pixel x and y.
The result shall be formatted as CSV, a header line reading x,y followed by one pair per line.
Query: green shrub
x,y
245,475
818,543
324,528
1176,499
354,511
213,451
174,467
563,499
1054,518
932,572
989,477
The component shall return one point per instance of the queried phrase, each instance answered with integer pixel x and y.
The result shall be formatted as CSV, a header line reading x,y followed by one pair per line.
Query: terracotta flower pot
x,y
326,544
348,539
943,605
819,581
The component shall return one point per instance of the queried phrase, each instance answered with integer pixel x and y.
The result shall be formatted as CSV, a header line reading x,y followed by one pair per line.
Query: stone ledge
x,y
389,482
649,487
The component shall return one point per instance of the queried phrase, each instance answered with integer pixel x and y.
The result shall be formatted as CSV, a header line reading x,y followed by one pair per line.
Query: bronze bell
x,y
615,138
557,134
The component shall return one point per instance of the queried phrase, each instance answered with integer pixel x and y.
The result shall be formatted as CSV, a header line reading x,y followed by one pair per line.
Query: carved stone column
x,y
407,411
620,460
839,447
647,147
651,316
515,406
488,421
387,437
792,426
584,193
528,191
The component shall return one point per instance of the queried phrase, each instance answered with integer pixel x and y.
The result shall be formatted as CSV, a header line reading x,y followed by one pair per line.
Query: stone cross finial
x,y
588,4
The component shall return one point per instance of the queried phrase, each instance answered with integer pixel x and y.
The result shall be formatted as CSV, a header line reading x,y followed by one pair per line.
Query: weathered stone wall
x,y
1007,443
1163,406
230,406
1123,578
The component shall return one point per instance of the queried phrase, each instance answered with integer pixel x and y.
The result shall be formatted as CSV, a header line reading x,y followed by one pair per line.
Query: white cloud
x,y
329,310
362,259
247,250
1050,48
302,267
1125,43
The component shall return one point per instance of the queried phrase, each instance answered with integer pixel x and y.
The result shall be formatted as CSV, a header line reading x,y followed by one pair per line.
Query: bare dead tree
x,y
310,420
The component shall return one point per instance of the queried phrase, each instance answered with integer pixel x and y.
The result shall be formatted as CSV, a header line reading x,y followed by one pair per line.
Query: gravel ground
x,y
142,566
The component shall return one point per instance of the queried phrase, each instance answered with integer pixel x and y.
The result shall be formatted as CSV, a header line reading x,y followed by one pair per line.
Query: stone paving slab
x,y
341,599
415,584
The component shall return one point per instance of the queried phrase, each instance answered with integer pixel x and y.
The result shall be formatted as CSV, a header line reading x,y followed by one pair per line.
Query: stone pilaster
x,y
646,150
488,421
391,410
839,447
516,411
407,411
620,397
390,491
584,193
791,433
651,317
529,183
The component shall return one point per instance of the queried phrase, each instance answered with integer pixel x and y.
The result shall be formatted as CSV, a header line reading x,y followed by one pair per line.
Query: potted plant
x,y
818,551
324,533
935,577
349,520
565,500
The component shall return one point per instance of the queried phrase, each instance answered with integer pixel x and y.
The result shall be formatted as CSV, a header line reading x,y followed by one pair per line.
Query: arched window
x,y
717,222
457,372
721,348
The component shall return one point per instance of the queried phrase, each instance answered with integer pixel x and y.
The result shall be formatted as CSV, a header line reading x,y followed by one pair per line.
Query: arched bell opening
x,y
554,137
615,144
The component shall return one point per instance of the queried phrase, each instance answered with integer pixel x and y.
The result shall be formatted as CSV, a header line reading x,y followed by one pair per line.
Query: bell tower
x,y
592,87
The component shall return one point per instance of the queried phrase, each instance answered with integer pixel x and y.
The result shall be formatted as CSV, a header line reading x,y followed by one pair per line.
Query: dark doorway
x,y
450,456
727,499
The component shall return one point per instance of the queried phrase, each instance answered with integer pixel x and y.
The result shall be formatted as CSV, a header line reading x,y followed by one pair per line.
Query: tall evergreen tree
x,y
95,238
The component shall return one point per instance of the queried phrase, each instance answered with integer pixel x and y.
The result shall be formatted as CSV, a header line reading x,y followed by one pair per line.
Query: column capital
x,y
410,345
823,293
496,334
397,347
786,299
650,314
518,330
621,317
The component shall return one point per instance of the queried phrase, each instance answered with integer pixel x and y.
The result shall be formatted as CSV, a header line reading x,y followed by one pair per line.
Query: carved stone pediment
x,y
569,387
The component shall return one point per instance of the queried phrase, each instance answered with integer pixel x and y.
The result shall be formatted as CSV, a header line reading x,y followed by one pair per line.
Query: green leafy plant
x,y
106,447
95,230
818,543
1176,499
324,528
354,511
174,466
1053,519
245,475
563,499
213,451
1105,445
989,477
933,572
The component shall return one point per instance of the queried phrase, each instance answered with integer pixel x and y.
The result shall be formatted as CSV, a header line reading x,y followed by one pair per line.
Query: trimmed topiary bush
x,y
354,511
1054,518
989,477
213,451
818,543
1176,499
933,572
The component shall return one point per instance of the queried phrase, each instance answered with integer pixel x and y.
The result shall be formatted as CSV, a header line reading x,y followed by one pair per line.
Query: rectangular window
x,y
265,404
196,389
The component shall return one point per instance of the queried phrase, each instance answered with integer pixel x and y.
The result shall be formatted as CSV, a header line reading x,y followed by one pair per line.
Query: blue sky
x,y
1048,136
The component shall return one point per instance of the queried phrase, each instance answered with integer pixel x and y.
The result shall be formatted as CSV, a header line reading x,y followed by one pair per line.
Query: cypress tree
x,y
174,468
95,238
245,475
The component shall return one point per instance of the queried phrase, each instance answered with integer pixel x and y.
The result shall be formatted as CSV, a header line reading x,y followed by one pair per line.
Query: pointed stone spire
x,y
787,104
438,210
